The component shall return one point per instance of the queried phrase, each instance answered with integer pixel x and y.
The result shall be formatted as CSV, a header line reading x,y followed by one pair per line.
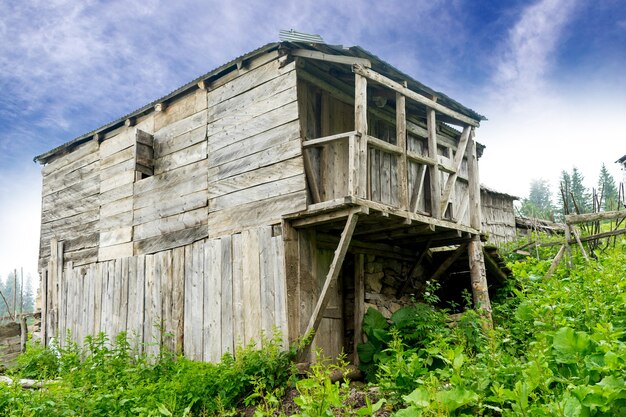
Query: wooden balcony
x,y
412,180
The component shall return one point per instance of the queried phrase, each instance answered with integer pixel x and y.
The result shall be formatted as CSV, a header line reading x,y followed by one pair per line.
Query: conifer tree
x,y
608,189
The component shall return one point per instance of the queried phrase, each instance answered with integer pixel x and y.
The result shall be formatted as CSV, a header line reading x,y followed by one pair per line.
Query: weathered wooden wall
x,y
70,209
203,299
498,216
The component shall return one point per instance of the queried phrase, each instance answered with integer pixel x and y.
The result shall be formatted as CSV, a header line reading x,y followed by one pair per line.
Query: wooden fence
x,y
202,299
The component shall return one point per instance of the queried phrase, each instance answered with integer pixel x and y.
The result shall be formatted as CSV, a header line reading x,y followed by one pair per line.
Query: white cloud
x,y
527,53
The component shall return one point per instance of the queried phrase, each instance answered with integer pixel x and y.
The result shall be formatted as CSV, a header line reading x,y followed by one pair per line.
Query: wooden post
x,y
457,164
360,141
359,303
568,247
474,183
291,259
435,178
23,333
14,292
403,173
480,293
555,262
44,306
478,273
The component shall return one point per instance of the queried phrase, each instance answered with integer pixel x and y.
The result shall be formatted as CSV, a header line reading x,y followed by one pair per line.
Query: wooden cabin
x,y
498,215
284,190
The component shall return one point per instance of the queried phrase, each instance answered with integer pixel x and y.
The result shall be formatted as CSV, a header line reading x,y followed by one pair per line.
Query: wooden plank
x,y
74,192
277,92
430,104
170,240
176,222
226,313
152,304
76,154
117,143
117,193
181,158
181,134
360,104
385,179
251,286
114,237
338,59
435,186
259,192
238,307
280,288
212,328
107,184
247,81
555,262
257,213
118,162
187,105
230,149
88,173
276,154
169,178
263,175
178,298
115,251
172,191
239,127
168,330
267,280
171,207
113,222
194,300
333,273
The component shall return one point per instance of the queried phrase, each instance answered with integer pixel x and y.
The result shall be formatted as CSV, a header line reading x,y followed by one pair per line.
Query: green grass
x,y
558,348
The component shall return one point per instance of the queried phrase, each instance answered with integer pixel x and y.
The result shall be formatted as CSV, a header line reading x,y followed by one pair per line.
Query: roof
x,y
355,51
622,160
492,191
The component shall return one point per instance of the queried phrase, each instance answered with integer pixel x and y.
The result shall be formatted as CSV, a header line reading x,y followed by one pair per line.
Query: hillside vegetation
x,y
558,348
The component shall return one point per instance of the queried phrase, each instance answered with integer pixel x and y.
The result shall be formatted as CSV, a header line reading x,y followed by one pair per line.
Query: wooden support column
x,y
403,173
480,293
360,140
478,273
359,303
333,273
291,258
474,184
435,182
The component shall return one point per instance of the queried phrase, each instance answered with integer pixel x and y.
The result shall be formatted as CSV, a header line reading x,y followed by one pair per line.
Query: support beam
x,y
435,183
359,303
337,59
478,274
493,267
333,273
448,262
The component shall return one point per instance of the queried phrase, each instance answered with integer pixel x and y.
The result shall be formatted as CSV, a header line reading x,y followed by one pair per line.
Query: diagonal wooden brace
x,y
333,273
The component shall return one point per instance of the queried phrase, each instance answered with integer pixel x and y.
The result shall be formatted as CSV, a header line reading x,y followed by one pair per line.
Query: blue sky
x,y
549,75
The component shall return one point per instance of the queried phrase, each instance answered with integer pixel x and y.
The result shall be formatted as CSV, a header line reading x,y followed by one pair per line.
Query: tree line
x,y
571,196
16,294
